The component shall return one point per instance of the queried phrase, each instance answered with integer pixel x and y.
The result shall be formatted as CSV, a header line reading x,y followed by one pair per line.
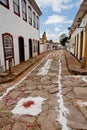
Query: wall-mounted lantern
x,y
79,23
69,28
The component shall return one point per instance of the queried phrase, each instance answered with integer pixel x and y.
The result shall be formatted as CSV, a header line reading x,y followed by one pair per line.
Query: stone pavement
x,y
18,70
74,66
65,95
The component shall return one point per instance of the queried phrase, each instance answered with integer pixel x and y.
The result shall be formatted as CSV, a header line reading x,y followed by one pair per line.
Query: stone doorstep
x,y
7,79
3,75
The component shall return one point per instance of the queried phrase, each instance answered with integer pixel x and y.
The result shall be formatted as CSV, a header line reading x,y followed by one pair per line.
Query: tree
x,y
63,39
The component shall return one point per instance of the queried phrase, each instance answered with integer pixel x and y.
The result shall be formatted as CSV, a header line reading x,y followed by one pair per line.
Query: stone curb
x,y
10,77
75,72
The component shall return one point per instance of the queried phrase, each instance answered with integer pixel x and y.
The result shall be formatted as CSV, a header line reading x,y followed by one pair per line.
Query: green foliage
x,y
63,39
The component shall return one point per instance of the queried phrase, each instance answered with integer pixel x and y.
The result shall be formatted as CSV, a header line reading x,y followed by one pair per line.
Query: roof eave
x,y
35,6
82,10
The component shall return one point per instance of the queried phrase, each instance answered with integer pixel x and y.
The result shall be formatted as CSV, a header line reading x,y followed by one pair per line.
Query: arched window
x,y
8,46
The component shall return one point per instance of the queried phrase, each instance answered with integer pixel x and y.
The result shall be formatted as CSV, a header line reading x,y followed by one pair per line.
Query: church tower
x,y
44,38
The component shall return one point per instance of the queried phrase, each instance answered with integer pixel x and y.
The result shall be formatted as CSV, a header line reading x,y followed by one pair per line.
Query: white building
x,y
43,43
19,31
78,34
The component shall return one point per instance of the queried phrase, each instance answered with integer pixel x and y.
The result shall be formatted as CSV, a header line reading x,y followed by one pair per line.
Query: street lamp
x,y
79,23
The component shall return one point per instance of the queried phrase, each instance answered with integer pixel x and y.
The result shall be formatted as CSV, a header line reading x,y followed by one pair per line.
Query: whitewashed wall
x,y
16,26
78,31
43,48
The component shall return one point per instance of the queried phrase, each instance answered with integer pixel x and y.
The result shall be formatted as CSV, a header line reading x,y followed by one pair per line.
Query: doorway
x,y
81,45
38,48
77,46
30,48
21,49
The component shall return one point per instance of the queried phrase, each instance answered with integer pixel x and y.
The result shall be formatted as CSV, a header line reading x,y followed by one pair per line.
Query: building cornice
x,y
80,14
35,6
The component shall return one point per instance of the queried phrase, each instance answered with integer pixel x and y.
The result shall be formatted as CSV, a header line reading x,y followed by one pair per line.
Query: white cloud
x,y
58,5
57,29
55,19
52,36
58,22
64,31
68,21
55,35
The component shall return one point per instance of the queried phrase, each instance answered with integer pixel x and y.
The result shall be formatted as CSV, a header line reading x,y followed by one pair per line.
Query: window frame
x,y
12,49
18,6
24,12
7,6
37,22
29,15
34,20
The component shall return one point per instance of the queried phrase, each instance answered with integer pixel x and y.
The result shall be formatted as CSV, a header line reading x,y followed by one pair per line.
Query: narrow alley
x,y
48,97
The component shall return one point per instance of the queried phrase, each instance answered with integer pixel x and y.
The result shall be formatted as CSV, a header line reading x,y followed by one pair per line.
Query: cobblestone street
x,y
47,98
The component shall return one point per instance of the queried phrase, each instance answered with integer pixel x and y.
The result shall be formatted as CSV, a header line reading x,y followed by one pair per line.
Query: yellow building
x,y
44,38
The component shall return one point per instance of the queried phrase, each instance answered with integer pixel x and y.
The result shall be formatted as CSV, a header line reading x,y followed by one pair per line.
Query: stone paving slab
x,y
75,119
81,92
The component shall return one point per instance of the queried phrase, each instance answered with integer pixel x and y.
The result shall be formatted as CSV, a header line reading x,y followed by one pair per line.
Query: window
x,y
37,23
34,19
16,7
30,15
8,46
24,10
4,3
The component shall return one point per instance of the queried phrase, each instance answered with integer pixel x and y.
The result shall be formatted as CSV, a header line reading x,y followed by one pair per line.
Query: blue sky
x,y
57,16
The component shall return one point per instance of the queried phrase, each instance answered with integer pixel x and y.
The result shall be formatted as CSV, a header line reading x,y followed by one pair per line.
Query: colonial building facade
x,y
19,31
78,34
